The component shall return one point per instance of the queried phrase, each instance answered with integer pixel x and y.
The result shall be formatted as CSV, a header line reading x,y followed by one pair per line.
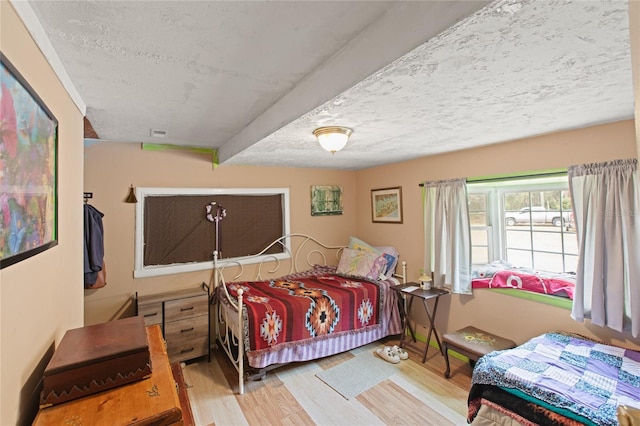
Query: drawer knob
x,y
186,330
184,351
150,315
186,309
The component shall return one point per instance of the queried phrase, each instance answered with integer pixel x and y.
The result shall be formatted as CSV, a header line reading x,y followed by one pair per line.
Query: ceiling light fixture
x,y
333,138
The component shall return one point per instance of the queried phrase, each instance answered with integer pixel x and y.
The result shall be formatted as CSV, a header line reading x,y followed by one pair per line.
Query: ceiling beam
x,y
403,28
89,133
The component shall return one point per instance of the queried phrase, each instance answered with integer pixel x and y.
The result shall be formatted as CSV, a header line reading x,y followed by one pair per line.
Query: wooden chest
x,y
95,358
152,401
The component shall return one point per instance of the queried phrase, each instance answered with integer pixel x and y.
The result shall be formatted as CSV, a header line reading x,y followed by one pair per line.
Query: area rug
x,y
361,372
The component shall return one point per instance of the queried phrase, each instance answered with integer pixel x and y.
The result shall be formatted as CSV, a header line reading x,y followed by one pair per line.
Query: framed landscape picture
x,y
386,205
28,170
326,200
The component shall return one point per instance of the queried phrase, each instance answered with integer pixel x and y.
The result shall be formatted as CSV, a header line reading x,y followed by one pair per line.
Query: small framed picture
x,y
326,200
386,205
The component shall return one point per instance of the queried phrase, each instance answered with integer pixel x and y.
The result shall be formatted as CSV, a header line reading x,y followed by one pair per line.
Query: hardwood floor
x,y
292,395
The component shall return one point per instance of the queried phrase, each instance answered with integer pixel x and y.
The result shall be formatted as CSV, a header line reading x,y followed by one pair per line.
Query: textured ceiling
x,y
254,79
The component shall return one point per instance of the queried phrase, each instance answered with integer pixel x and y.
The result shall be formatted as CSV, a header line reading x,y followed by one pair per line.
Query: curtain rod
x,y
549,173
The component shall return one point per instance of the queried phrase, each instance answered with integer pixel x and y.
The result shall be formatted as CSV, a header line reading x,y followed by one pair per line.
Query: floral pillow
x,y
390,254
363,264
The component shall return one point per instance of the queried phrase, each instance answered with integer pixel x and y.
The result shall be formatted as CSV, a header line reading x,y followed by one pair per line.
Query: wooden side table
x,y
407,293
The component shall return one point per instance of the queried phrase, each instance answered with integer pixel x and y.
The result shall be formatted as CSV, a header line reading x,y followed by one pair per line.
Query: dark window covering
x,y
176,229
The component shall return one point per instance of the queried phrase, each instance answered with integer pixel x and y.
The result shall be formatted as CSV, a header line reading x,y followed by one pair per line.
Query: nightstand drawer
x,y
185,308
189,350
184,330
152,313
187,338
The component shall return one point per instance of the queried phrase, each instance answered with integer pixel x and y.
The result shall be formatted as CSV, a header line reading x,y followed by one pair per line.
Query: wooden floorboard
x,y
416,393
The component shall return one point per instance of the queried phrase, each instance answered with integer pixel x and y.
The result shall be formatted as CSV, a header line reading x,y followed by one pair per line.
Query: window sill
x,y
560,302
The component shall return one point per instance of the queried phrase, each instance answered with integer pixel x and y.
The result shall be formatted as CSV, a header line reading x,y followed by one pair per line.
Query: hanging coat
x,y
93,248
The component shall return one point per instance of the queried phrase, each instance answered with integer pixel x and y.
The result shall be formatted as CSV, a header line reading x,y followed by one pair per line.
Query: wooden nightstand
x,y
183,316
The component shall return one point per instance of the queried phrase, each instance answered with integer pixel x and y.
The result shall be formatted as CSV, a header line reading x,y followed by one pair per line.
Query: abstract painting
x,y
28,169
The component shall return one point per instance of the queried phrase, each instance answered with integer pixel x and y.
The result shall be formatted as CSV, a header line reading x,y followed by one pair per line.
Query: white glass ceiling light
x,y
333,138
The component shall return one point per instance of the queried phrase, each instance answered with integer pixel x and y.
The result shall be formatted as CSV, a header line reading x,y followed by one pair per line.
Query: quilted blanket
x,y
567,374
537,283
305,306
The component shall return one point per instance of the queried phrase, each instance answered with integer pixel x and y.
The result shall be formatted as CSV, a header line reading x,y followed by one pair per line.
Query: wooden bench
x,y
472,343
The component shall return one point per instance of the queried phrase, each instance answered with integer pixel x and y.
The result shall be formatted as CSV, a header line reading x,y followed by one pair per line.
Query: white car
x,y
538,215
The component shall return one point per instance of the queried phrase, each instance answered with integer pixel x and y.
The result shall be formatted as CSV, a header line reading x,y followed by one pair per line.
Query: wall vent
x,y
156,133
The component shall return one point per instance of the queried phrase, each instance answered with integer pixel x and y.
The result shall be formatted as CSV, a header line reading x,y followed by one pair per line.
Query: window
x,y
481,230
173,234
527,222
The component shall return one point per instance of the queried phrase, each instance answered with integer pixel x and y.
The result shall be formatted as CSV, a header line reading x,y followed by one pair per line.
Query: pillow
x,y
490,269
358,244
390,254
360,263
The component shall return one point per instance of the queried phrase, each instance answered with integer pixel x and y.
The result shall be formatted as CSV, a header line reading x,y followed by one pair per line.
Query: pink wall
x,y
511,317
41,297
110,168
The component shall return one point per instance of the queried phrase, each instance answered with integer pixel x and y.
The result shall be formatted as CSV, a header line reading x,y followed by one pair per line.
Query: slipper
x,y
399,352
387,354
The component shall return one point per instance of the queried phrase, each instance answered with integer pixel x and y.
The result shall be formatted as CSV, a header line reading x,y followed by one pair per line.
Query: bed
x,y
556,378
315,309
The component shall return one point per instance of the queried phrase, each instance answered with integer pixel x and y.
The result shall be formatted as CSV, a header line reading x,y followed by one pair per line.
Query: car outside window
x,y
527,223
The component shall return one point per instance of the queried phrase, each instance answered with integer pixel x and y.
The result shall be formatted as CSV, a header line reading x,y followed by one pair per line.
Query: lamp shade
x,y
333,138
131,198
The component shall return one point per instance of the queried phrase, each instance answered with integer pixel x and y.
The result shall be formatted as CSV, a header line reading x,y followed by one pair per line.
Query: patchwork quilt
x,y
580,379
307,305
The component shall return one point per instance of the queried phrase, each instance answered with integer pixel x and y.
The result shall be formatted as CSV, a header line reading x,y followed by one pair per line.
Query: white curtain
x,y
607,214
447,234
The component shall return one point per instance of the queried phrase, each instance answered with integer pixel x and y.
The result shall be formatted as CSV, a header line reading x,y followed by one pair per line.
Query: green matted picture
x,y
326,200
386,205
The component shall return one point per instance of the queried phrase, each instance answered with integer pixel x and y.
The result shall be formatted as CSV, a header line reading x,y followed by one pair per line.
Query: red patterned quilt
x,y
294,309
